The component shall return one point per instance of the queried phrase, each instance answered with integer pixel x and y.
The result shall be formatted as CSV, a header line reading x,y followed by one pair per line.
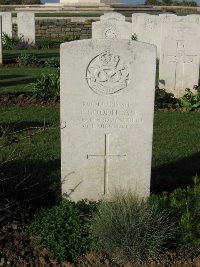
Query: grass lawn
x,y
16,80
35,153
176,147
10,56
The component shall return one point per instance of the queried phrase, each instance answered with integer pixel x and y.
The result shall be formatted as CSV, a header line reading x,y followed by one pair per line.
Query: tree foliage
x,y
20,2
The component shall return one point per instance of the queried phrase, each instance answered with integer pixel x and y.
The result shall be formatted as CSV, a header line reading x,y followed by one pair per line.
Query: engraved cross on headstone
x,y
106,158
180,59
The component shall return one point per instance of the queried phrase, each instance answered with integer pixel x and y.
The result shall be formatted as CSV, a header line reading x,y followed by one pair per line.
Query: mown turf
x,y
17,80
176,146
35,152
176,150
10,56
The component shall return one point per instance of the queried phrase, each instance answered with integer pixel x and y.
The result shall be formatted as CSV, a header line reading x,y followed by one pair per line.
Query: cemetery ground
x,y
30,174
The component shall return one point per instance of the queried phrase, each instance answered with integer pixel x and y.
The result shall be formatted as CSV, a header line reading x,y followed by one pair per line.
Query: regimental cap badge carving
x,y
107,74
109,60
111,33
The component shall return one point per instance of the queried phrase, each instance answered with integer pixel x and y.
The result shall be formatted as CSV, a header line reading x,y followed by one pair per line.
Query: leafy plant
x,y
18,43
71,38
164,99
51,63
47,86
131,229
8,42
26,59
45,43
184,208
190,101
65,229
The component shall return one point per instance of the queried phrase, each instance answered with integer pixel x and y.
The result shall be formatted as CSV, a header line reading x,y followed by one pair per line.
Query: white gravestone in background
x,y
26,26
111,26
6,23
1,52
107,106
179,61
147,28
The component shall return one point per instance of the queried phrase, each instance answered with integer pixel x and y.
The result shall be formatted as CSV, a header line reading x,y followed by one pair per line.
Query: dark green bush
x,y
51,63
18,43
131,229
45,43
8,42
20,2
164,99
26,59
184,208
47,86
190,101
65,229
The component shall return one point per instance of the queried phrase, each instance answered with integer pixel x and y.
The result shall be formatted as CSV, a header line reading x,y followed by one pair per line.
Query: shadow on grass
x,y
25,180
18,82
11,58
11,76
21,126
175,174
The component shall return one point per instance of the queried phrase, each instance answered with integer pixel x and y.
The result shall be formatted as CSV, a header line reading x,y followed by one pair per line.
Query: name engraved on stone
x,y
111,33
107,74
180,59
109,115
106,158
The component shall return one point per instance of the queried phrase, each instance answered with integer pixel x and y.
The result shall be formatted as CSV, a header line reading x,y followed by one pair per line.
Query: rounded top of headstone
x,y
112,16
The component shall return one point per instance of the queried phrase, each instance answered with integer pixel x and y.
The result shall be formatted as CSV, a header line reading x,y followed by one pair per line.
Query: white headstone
x,y
107,103
111,26
26,26
1,50
6,23
179,61
147,28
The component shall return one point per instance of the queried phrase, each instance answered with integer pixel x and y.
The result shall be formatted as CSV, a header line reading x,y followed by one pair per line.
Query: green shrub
x,y
65,229
71,38
131,229
164,99
51,63
17,43
190,101
20,2
47,86
184,208
45,43
8,42
26,59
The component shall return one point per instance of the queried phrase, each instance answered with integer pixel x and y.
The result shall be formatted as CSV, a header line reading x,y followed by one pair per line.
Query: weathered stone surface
x,y
1,52
107,103
26,26
147,28
6,23
111,26
179,61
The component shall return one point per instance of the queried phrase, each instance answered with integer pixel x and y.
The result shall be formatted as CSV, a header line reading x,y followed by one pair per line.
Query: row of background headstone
x,y
176,38
25,22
